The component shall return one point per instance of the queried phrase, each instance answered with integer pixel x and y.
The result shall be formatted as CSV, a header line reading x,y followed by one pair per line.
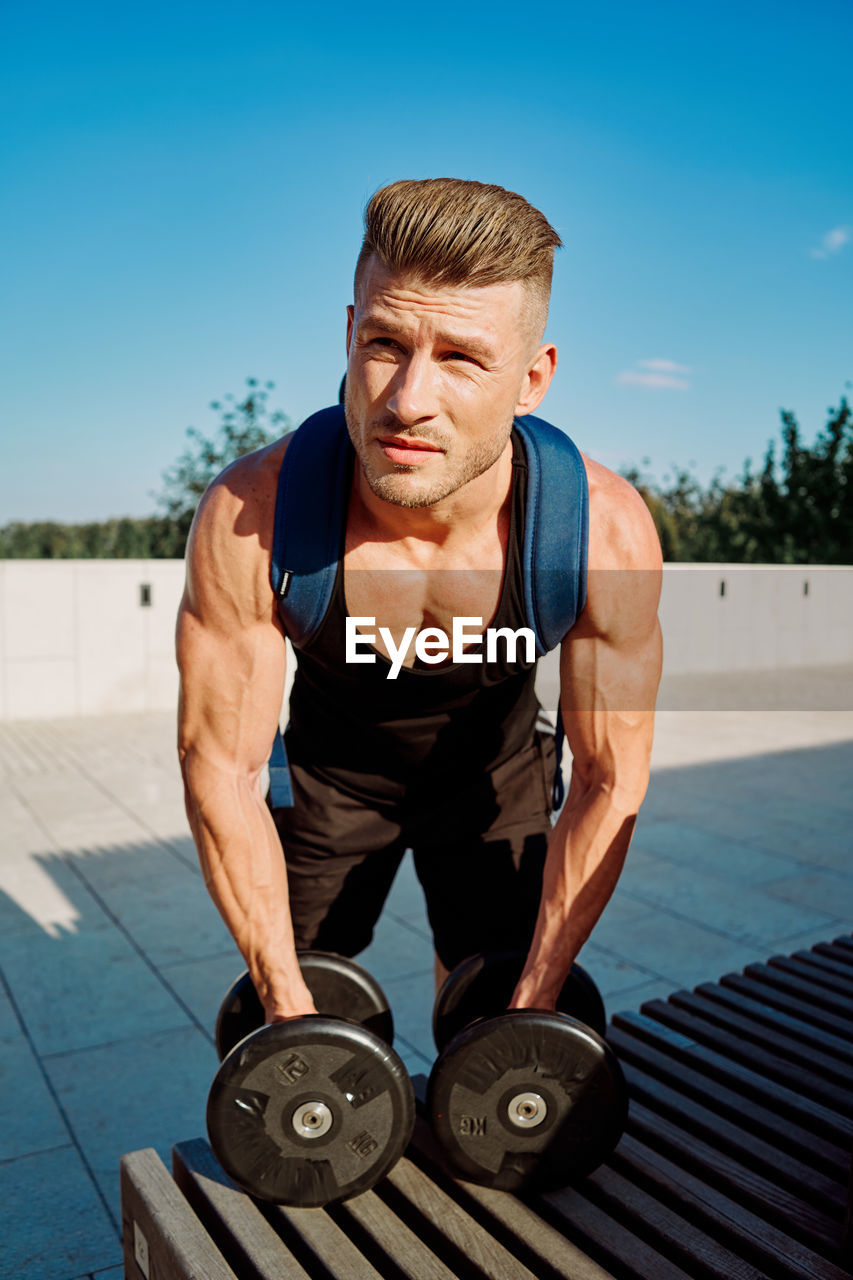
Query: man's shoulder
x,y
624,562
246,486
622,534
228,554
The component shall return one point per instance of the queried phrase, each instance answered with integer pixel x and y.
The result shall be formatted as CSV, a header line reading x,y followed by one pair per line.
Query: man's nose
x,y
413,397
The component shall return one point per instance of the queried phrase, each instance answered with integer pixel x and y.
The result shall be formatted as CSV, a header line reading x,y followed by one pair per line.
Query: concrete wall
x,y
755,617
76,639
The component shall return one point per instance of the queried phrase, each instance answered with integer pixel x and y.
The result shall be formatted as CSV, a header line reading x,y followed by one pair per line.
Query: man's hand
x,y
231,654
610,665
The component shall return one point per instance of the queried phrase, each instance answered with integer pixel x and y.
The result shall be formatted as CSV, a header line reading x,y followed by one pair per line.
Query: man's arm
x,y
610,665
231,655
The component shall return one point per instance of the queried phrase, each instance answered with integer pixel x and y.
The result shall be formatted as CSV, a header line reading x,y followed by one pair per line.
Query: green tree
x,y
796,510
244,426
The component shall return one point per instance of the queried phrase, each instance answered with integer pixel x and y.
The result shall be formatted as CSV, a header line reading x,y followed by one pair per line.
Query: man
x,y
445,348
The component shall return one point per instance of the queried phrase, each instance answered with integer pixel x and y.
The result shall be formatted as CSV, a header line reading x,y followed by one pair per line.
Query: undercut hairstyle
x,y
448,231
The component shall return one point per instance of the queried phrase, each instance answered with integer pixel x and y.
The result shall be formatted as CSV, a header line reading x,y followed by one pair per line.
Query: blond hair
x,y
449,231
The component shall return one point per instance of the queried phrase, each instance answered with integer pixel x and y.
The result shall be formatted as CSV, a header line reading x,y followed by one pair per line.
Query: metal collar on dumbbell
x,y
527,1110
312,1119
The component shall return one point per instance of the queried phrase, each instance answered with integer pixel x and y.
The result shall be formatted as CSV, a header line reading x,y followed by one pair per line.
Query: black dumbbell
x,y
482,987
315,1109
339,987
524,1097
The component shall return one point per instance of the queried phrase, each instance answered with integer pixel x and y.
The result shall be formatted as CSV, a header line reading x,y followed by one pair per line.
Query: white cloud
x,y
661,374
833,242
663,366
637,379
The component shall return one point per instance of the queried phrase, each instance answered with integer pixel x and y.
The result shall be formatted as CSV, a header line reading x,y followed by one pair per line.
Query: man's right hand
x,y
300,1003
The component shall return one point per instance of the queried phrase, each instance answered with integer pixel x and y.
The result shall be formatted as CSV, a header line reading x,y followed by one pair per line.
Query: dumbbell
x,y
316,1109
522,1097
339,987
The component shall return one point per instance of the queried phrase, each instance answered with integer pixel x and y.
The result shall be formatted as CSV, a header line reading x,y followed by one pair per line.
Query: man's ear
x,y
537,380
350,324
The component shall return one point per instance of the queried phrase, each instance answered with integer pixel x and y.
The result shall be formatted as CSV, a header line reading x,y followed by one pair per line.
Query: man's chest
x,y
382,583
402,598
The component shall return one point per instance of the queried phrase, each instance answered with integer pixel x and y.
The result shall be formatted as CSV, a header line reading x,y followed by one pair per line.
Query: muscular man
x,y
444,348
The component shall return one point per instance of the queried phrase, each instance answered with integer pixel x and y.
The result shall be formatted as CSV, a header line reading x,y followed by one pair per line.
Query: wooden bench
x,y
735,1164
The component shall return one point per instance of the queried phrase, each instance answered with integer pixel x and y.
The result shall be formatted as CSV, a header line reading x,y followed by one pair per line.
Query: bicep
x,y
231,655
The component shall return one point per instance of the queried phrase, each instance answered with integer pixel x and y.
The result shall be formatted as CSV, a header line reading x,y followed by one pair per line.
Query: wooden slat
x,y
667,1230
232,1219
770,1065
752,1085
161,1236
835,951
844,944
826,963
805,1034
799,987
847,1240
799,1140
789,1003
766,1158
840,986
747,1233
434,1216
615,1244
380,1231
807,1223
546,1251
320,1244
774,1040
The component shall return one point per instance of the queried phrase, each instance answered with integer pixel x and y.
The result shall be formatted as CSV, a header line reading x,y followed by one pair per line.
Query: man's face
x,y
434,377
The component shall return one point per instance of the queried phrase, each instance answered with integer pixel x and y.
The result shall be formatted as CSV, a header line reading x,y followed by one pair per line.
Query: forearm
x,y
586,852
244,870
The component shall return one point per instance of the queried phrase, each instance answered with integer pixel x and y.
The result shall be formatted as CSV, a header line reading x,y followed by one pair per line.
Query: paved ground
x,y
113,960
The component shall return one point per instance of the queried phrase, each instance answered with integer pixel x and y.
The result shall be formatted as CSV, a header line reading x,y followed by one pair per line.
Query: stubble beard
x,y
394,486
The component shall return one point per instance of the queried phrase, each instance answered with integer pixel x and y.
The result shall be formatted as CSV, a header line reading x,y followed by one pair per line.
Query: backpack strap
x,y
307,542
556,535
281,792
309,513
556,531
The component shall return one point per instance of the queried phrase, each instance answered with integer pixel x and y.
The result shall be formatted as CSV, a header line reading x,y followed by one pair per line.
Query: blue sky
x,y
184,186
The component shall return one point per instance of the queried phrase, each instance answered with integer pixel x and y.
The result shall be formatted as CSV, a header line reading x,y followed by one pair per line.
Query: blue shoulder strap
x,y
556,534
308,533
307,543
556,529
308,537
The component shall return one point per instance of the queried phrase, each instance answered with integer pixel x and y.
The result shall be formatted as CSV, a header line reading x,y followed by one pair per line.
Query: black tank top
x,y
372,736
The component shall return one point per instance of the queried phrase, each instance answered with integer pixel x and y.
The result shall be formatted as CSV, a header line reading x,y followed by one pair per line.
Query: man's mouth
x,y
406,451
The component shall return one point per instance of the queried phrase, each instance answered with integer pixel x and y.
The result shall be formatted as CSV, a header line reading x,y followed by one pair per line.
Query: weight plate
x,y
343,989
340,988
240,1013
482,987
310,1111
529,1098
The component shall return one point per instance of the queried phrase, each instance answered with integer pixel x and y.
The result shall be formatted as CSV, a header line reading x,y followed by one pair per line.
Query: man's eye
x,y
460,355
